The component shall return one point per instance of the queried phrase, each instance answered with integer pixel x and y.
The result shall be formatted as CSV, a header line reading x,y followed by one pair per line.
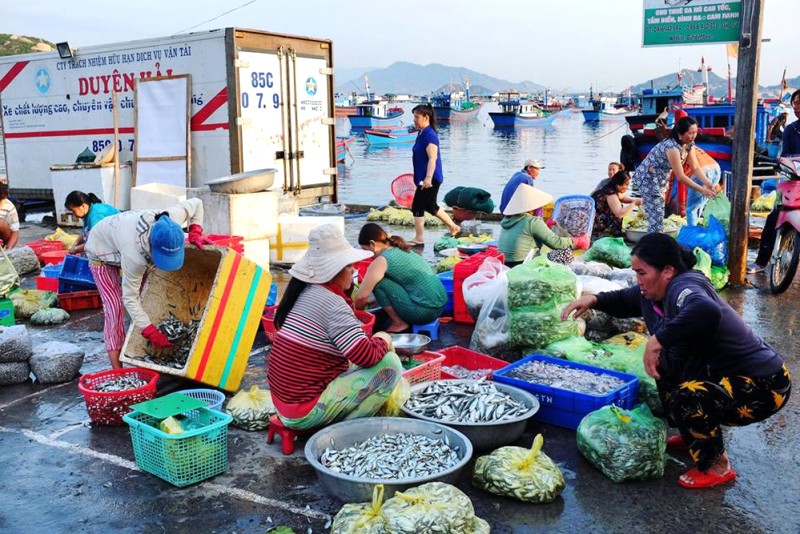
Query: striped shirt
x,y
8,212
319,338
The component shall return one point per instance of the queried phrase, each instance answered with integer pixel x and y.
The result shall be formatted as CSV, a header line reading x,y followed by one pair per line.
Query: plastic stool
x,y
431,329
288,435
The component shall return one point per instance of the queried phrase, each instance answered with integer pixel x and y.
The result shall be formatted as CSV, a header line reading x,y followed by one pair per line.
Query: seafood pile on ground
x,y
465,402
393,457
558,376
179,334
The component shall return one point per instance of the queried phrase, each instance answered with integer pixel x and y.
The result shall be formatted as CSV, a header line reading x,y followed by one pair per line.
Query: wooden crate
x,y
228,291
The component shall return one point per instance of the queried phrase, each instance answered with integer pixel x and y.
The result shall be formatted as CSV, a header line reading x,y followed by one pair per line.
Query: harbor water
x,y
575,154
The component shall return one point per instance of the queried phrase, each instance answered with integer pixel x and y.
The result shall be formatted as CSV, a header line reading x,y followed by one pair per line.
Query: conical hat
x,y
527,198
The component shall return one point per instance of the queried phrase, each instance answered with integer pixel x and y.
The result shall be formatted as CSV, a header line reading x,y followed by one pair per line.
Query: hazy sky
x,y
558,43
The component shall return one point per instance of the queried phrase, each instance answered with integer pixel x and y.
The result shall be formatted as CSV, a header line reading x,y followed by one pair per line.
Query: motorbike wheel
x,y
784,264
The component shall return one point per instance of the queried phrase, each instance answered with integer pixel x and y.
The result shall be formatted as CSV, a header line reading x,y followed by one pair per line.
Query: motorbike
x,y
786,252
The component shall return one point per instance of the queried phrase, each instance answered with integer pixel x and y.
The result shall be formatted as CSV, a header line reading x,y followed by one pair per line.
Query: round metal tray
x,y
243,182
348,433
486,436
410,344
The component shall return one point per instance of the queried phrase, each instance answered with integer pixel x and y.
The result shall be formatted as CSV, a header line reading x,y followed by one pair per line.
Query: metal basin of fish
x,y
410,344
486,435
243,182
474,248
348,433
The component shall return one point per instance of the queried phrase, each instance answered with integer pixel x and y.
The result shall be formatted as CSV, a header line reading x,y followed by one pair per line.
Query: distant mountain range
x,y
409,78
21,44
717,85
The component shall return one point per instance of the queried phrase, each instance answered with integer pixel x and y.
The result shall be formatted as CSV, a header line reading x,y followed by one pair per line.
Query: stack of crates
x,y
76,287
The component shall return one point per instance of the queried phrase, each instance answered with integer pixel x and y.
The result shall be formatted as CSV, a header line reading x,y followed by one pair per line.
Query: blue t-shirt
x,y
97,212
420,157
520,177
791,140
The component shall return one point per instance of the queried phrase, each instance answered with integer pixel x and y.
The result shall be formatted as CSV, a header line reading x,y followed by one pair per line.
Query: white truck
x,y
258,100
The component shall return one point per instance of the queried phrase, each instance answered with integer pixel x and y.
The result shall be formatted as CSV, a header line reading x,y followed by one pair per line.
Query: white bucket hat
x,y
328,253
527,198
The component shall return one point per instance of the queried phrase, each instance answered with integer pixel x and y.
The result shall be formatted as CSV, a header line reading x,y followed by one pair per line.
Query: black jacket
x,y
703,337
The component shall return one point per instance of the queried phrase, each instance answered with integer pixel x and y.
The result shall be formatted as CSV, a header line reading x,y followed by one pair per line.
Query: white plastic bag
x,y
592,285
476,290
491,328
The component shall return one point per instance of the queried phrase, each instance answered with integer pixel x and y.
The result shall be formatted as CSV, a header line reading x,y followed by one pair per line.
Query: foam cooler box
x,y
565,408
228,293
291,241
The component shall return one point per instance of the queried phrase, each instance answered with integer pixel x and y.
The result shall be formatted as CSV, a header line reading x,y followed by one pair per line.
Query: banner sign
x,y
690,22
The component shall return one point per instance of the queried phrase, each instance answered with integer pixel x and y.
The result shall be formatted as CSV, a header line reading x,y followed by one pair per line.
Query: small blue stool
x,y
430,329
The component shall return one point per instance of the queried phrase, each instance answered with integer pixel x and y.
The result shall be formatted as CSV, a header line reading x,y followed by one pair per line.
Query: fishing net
x,y
528,475
624,444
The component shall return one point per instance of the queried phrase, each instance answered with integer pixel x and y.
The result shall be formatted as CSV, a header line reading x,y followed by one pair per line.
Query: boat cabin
x,y
372,108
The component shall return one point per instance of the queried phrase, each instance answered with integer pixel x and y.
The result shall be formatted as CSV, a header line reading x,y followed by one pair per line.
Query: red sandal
x,y
705,479
676,443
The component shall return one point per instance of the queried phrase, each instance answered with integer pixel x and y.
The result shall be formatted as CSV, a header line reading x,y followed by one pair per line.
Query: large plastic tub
x,y
566,408
447,281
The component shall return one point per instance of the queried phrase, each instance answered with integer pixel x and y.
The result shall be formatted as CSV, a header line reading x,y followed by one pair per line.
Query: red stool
x,y
288,435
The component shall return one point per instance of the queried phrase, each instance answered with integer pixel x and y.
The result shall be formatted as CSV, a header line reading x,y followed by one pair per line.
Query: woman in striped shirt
x,y
322,367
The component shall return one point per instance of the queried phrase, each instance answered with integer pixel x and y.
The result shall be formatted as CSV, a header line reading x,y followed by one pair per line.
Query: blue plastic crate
x,y
76,269
566,408
575,201
447,281
67,286
52,271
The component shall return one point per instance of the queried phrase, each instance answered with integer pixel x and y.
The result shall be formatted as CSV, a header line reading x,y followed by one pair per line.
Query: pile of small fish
x,y
571,379
109,409
119,383
393,457
459,371
574,217
561,255
181,335
465,402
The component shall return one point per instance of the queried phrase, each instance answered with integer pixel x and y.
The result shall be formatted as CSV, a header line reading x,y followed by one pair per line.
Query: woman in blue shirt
x,y
428,174
89,208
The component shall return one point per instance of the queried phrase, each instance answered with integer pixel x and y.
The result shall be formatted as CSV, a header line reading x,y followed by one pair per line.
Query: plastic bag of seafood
x,y
251,409
624,444
540,281
528,475
432,507
483,283
538,326
361,518
610,250
491,326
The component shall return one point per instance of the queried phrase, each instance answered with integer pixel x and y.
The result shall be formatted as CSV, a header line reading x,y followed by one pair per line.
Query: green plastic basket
x,y
186,458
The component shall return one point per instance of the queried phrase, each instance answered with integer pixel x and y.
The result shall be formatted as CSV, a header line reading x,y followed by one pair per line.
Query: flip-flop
x,y
415,243
676,443
705,479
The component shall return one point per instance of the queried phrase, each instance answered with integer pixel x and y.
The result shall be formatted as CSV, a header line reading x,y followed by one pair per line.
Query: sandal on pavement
x,y
415,243
704,479
676,442
755,268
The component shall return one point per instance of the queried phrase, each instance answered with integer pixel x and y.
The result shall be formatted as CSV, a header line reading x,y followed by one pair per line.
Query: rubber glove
x,y
196,236
156,337
551,223
582,242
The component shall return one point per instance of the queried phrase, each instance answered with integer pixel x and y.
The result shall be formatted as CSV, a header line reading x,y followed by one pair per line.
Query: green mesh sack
x,y
361,518
624,444
609,250
528,475
538,326
540,281
431,507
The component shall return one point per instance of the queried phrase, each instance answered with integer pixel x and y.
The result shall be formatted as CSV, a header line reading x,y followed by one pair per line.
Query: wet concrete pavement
x,y
61,473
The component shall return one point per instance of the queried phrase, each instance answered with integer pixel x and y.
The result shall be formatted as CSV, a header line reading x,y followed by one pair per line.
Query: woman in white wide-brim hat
x,y
522,232
322,367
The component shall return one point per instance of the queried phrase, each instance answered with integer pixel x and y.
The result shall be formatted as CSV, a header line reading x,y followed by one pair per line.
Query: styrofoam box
x,y
257,251
157,197
291,241
251,215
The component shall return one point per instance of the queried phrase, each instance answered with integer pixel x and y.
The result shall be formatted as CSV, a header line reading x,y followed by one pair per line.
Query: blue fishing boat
x,y
341,147
515,112
386,137
454,105
374,113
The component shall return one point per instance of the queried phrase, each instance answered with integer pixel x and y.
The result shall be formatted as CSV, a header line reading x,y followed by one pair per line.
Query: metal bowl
x,y
243,182
348,433
635,235
410,344
488,436
471,249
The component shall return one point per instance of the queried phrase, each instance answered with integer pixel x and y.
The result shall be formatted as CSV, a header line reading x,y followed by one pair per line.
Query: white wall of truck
x,y
259,100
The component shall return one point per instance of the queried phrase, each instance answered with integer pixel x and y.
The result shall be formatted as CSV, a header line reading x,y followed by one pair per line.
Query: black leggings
x,y
698,408
768,236
425,200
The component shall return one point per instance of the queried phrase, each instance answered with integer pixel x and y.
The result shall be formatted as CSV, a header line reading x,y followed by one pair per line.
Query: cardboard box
x,y
228,292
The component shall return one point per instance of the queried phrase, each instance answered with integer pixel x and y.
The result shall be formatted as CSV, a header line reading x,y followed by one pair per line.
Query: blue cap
x,y
166,244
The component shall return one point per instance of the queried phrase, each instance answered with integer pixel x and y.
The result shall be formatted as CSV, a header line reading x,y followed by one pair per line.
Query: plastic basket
x,y
566,408
447,281
581,202
107,408
47,284
186,458
53,256
212,397
431,369
52,271
469,359
403,189
268,321
76,269
41,246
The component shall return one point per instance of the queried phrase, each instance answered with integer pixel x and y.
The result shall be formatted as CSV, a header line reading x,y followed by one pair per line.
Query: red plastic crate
x,y
461,271
268,321
43,245
80,300
431,369
469,359
47,284
231,241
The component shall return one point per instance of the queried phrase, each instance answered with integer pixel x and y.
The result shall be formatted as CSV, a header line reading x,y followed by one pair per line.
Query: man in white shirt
x,y
9,219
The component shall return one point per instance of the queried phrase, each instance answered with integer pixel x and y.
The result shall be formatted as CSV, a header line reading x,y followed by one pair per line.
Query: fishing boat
x,y
454,105
602,106
374,113
341,147
386,137
515,112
